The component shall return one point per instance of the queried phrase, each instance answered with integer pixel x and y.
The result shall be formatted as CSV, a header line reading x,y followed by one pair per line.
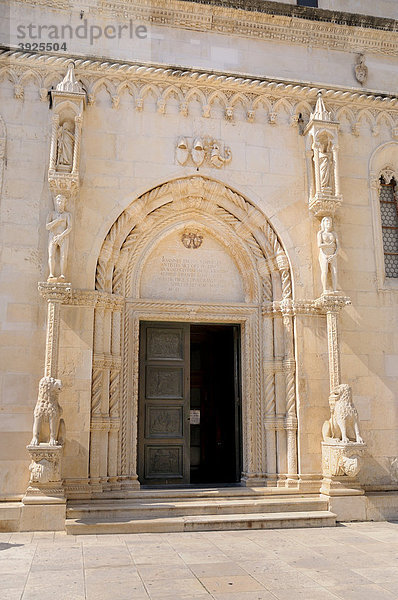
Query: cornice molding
x,y
293,25
209,88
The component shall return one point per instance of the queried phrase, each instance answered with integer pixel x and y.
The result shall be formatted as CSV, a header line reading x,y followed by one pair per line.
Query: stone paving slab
x,y
354,561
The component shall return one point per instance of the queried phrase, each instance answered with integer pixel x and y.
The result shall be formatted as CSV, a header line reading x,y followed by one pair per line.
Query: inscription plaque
x,y
208,274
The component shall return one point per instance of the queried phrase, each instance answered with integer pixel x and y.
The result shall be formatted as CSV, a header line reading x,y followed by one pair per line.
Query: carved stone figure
x,y
65,144
182,151
215,156
361,70
350,465
328,245
344,417
325,166
47,410
198,152
192,239
59,226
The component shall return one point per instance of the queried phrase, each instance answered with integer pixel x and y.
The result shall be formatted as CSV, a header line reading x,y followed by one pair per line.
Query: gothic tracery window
x,y
389,224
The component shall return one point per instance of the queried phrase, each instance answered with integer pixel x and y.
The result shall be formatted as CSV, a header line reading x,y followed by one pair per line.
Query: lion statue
x,y
344,417
48,410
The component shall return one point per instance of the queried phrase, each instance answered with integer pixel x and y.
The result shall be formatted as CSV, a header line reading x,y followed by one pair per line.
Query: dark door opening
x,y
214,405
189,404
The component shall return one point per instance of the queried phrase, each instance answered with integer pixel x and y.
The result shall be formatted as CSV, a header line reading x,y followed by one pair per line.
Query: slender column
x,y
76,148
269,396
280,396
55,294
53,147
96,397
114,401
309,174
289,368
316,168
335,149
333,349
45,468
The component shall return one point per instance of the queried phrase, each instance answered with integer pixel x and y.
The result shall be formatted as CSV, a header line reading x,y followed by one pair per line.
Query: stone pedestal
x,y
44,504
341,459
341,463
45,483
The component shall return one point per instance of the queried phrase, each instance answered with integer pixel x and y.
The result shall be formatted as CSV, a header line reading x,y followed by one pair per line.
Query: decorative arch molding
x,y
266,319
207,196
383,163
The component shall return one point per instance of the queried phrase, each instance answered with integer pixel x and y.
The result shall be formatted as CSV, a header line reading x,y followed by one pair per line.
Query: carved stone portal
x,y
225,280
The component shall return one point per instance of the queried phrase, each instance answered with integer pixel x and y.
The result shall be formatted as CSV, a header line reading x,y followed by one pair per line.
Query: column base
x,y
248,480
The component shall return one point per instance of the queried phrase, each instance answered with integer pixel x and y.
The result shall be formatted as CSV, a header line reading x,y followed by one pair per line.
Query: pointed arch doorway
x,y
196,253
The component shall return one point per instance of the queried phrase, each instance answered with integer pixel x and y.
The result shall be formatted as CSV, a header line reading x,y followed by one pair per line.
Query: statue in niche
x,y
328,245
325,165
59,226
65,143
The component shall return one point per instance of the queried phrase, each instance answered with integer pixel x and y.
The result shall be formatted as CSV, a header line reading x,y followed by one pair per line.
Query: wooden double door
x,y
189,404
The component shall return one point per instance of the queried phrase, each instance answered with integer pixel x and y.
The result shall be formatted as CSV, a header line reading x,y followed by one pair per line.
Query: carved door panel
x,y
164,442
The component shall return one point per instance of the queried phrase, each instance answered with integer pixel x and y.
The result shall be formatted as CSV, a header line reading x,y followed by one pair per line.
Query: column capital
x,y
55,291
332,302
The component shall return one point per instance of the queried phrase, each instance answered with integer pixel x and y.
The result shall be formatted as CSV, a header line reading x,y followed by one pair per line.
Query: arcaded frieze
x,y
241,97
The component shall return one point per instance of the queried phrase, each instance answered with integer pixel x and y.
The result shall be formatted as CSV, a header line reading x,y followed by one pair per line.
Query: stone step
x,y
176,507
10,515
198,492
275,520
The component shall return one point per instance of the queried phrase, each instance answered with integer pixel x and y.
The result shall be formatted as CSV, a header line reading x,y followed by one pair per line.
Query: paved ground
x,y
354,562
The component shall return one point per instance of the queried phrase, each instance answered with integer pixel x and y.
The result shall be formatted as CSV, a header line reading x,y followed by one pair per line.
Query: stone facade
x,y
207,181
